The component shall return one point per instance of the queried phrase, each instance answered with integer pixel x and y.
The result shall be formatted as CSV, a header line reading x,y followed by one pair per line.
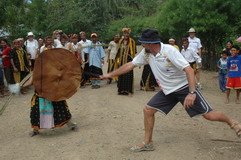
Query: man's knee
x,y
149,111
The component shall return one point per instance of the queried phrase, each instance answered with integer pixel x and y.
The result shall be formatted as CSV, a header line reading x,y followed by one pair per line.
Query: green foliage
x,y
216,21
72,16
137,25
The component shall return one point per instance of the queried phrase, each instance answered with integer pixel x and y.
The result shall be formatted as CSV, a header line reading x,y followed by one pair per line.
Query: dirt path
x,y
110,124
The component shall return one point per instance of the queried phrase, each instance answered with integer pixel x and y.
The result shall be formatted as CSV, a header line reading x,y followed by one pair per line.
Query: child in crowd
x,y
222,74
96,60
191,56
172,42
234,73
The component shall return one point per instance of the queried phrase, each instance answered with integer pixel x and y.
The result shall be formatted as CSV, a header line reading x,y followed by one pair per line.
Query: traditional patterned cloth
x,y
125,54
20,54
46,113
19,57
148,81
111,64
61,113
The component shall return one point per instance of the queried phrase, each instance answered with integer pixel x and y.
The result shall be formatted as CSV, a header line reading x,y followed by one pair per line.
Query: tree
x,y
214,21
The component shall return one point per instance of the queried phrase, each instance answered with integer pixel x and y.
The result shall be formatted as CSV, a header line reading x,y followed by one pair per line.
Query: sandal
x,y
145,147
237,128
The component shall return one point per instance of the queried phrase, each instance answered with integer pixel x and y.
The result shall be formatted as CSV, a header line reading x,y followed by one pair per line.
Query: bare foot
x,y
237,128
227,101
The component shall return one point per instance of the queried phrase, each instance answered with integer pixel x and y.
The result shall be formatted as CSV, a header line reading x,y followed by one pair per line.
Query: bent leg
x,y
218,116
221,117
149,120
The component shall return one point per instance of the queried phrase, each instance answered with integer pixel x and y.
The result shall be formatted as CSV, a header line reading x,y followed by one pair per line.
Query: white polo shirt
x,y
167,67
195,43
85,48
85,45
190,55
32,47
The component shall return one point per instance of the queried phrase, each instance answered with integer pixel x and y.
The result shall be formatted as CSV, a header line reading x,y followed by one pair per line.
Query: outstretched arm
x,y
122,70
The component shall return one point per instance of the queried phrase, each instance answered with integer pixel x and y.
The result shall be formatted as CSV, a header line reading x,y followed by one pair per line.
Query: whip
x,y
14,89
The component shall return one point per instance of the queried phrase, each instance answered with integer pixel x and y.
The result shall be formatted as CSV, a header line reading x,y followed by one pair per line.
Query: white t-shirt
x,y
113,47
57,43
73,47
195,43
63,46
190,55
32,47
167,67
85,47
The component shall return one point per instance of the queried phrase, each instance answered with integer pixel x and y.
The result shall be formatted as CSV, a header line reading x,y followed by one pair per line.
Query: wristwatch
x,y
192,92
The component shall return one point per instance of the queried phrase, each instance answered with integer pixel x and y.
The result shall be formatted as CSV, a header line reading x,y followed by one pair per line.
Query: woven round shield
x,y
57,74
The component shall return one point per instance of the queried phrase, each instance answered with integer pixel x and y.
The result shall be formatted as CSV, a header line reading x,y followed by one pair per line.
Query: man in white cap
x,y
31,47
195,44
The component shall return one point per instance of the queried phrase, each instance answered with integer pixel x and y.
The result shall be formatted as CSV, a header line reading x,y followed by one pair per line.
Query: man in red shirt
x,y
7,67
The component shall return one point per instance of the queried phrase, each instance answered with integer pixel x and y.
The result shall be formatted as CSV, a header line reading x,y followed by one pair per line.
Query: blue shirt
x,y
96,55
234,66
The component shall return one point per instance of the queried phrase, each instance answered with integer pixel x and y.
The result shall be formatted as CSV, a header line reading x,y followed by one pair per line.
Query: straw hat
x,y
191,30
30,34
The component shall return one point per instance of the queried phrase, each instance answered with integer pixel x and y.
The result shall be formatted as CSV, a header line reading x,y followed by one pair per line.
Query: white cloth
x,y
190,55
113,48
43,48
73,47
195,43
32,47
167,67
63,46
85,47
57,43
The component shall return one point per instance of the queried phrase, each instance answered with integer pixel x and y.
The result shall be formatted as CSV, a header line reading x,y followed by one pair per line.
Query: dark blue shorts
x,y
165,103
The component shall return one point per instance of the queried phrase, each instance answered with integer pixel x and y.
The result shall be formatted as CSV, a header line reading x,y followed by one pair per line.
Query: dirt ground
x,y
109,124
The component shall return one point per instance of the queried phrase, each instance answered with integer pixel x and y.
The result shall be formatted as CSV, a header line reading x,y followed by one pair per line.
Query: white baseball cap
x,y
191,30
30,34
